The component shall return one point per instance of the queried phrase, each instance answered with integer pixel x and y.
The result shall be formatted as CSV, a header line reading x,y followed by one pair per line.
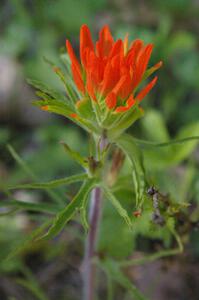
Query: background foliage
x,y
31,30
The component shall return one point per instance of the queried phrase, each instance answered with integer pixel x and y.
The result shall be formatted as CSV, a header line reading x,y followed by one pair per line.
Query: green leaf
x,y
51,184
67,213
149,144
59,104
30,173
32,288
183,151
113,269
56,102
31,284
72,96
124,121
154,126
159,254
56,107
122,212
40,207
55,95
30,238
75,155
128,145
83,214
170,153
122,244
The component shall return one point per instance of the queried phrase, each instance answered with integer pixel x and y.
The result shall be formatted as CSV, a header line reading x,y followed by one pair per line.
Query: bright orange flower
x,y
110,72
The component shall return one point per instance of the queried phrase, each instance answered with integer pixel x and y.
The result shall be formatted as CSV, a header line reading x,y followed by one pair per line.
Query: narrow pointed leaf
x,y
67,213
63,78
23,205
127,144
124,122
83,214
29,239
48,91
117,275
30,173
144,143
51,184
75,155
122,212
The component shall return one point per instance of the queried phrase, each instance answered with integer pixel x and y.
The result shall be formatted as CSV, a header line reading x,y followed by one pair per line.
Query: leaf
x,y
40,207
57,103
31,283
72,96
32,288
160,254
127,144
185,149
121,244
30,173
125,121
150,144
9,213
67,213
83,214
154,126
51,184
56,107
122,212
55,95
29,239
75,155
171,152
116,274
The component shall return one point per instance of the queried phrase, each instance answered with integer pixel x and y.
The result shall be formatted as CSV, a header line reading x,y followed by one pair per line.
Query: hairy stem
x,y
89,270
89,267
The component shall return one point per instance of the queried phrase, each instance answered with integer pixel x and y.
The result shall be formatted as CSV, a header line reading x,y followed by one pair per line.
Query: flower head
x,y
110,72
107,92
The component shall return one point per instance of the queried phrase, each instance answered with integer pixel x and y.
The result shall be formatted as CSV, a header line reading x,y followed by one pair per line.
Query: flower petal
x,y
129,103
111,100
72,56
77,77
105,43
116,49
146,89
90,88
85,42
141,64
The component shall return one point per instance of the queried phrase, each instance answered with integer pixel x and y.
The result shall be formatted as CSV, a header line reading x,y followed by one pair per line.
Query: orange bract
x,y
110,71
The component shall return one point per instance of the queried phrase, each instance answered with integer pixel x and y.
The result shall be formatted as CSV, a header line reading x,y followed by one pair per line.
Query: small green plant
x,y
116,199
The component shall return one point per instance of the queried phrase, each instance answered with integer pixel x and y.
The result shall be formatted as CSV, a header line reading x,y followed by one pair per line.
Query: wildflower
x,y
110,72
107,92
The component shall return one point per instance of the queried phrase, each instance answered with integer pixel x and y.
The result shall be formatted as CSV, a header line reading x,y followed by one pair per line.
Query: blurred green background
x,y
33,29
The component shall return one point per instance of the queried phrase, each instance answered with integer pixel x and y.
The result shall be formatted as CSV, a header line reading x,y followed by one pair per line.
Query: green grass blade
x,y
23,205
117,275
165,144
51,184
31,174
29,239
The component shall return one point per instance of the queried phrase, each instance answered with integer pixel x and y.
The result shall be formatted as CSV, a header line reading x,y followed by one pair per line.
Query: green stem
x,y
160,254
89,266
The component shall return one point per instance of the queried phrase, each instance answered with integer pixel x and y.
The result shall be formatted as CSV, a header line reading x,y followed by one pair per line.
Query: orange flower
x,y
110,72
